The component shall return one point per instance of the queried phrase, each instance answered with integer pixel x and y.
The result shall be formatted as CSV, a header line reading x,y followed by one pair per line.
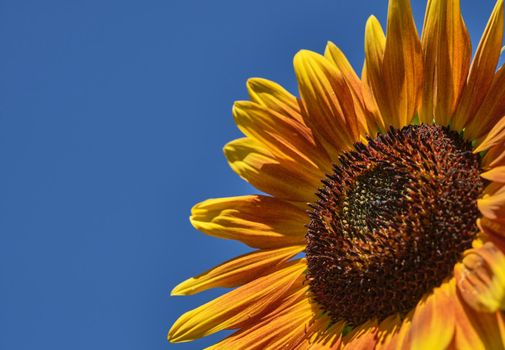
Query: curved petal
x,y
273,96
477,330
282,328
258,221
496,174
364,103
481,278
432,325
229,310
447,51
362,338
495,156
394,66
482,70
327,101
256,165
286,139
388,333
493,206
495,136
491,109
238,271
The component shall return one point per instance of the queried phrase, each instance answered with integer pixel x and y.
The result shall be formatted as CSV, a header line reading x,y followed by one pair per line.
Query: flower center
x,y
391,222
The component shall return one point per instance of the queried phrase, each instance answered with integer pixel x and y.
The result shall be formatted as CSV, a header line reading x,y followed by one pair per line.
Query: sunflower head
x,y
404,171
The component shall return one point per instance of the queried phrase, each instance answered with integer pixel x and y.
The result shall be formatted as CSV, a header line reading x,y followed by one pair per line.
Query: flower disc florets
x,y
391,222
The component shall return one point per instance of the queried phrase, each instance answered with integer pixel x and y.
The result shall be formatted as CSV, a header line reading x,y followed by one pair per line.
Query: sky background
x,y
113,115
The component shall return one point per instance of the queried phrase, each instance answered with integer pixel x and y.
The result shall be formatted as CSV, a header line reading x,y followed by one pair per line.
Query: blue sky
x,y
113,115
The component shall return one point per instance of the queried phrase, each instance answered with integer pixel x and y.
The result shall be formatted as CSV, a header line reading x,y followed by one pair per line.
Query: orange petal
x,y
323,335
495,156
269,174
495,136
238,271
481,278
281,329
362,338
432,325
327,101
273,96
493,206
388,333
229,310
286,139
364,104
447,52
482,70
477,330
492,228
491,110
496,174
394,66
258,221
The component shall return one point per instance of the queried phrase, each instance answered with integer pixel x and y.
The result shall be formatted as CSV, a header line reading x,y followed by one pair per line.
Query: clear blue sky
x,y
113,115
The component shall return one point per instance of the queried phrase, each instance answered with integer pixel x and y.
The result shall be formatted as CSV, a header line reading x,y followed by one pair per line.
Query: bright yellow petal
x,y
493,206
481,278
327,101
482,70
477,330
496,174
447,52
282,328
239,305
258,221
432,325
394,67
364,103
238,271
269,174
285,138
273,96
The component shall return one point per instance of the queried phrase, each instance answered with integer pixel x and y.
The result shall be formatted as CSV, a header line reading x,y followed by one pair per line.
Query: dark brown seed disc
x,y
391,222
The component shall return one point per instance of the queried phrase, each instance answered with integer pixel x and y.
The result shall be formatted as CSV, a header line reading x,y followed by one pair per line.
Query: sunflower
x,y
403,170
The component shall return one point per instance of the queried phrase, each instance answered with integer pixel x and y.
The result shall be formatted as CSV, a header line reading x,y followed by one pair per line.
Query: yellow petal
x,y
491,110
495,156
481,278
362,338
286,139
496,174
482,70
432,325
258,221
447,52
477,330
327,101
238,271
273,96
275,176
494,137
364,103
388,333
281,329
239,305
394,68
492,206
